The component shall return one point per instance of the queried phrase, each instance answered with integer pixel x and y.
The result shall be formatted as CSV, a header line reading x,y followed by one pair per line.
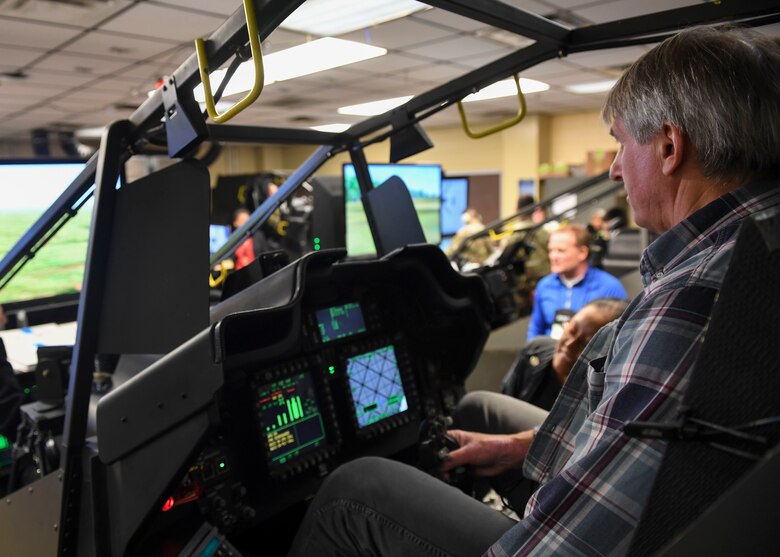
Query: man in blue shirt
x,y
572,283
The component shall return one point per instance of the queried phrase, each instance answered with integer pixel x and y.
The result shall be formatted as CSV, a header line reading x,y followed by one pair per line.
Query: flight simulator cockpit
x,y
322,362
222,415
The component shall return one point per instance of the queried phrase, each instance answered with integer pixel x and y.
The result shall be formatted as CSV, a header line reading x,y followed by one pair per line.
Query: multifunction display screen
x,y
375,384
290,418
340,321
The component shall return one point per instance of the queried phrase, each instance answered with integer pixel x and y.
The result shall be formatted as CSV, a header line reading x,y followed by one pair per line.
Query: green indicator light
x,y
316,247
332,369
4,444
27,390
316,240
221,464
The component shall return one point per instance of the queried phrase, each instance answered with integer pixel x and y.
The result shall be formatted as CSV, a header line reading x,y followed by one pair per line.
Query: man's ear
x,y
671,148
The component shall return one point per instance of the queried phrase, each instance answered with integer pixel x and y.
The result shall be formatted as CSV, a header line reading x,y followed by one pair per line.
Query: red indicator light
x,y
168,504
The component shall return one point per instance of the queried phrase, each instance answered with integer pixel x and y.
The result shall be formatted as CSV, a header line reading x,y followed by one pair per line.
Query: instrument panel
x,y
320,363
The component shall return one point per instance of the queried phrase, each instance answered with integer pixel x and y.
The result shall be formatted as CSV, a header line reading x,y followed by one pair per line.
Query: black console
x,y
320,363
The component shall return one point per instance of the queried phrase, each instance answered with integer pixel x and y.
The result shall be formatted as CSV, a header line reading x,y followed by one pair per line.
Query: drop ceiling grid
x,y
149,39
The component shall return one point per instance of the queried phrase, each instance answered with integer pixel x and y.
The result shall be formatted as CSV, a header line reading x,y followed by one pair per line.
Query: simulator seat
x,y
729,422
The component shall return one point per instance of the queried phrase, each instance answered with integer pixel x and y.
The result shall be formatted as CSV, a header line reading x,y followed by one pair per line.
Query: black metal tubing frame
x,y
553,40
122,138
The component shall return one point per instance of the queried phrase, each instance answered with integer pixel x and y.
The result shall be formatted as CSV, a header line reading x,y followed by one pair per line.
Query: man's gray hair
x,y
721,87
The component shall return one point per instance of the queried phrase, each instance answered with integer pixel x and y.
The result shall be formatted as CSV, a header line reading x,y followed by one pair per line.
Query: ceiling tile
x,y
217,7
60,12
448,19
540,8
438,73
149,20
550,67
608,58
36,35
453,48
398,34
81,64
473,61
281,39
624,9
118,46
390,62
18,56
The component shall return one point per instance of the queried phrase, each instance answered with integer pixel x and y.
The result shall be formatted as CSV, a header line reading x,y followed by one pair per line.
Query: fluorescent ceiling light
x,y
305,59
333,128
373,108
335,17
592,87
507,88
220,107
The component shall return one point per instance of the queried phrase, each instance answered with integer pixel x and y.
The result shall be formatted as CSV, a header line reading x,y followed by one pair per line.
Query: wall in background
x,y
572,135
514,153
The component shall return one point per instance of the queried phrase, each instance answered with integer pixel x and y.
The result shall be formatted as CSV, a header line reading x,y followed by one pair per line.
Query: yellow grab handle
x,y
214,282
257,58
499,235
499,127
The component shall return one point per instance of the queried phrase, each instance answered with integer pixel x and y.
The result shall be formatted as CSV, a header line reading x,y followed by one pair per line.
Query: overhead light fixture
x,y
305,59
373,108
336,17
592,87
221,106
333,128
507,88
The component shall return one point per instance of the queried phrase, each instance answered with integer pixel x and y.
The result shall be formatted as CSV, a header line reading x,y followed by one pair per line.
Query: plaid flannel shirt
x,y
596,480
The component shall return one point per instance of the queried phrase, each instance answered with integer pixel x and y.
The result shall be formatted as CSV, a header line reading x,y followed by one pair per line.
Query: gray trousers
x,y
374,506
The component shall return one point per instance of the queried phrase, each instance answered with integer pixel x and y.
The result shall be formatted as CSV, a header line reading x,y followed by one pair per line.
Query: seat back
x,y
736,381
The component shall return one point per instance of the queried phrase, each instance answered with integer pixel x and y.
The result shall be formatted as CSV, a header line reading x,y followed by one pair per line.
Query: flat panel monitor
x,y
454,202
337,322
290,418
424,184
218,235
375,385
27,189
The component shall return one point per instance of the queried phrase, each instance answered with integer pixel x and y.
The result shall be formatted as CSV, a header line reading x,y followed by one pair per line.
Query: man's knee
x,y
363,479
472,410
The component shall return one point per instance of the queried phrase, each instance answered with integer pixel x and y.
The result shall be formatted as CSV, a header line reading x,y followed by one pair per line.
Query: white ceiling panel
x,y
280,39
88,66
82,74
149,20
18,56
448,19
436,73
42,83
608,58
399,34
624,9
60,12
390,62
454,48
548,68
36,35
31,90
118,45
217,7
478,60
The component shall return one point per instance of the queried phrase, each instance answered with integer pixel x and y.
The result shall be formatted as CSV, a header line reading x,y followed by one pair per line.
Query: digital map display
x,y
376,387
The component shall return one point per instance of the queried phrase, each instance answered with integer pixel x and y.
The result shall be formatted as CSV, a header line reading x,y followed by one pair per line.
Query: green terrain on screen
x,y
57,268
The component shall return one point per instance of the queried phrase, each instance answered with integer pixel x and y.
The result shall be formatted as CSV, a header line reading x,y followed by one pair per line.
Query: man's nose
x,y
615,170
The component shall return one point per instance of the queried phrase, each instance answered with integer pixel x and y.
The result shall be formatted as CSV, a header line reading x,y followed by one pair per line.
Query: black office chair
x,y
731,425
